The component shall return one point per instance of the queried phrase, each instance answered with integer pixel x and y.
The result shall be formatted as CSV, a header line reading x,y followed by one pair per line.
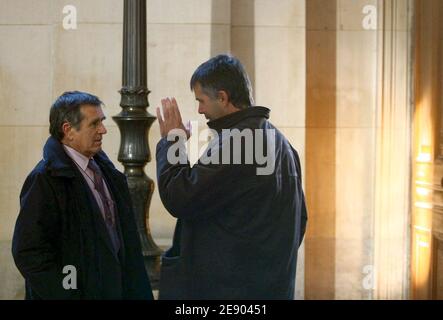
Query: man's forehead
x,y
91,110
198,91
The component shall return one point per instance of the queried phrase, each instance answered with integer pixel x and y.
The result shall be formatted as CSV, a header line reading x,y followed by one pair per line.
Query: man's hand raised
x,y
171,118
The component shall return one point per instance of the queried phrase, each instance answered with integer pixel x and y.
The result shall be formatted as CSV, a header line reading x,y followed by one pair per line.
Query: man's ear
x,y
67,129
223,97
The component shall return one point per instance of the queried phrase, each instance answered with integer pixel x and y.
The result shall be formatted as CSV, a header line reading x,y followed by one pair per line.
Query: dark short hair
x,y
224,72
67,109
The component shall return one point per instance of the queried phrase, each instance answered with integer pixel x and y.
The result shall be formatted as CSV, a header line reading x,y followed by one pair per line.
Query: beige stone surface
x,y
172,61
320,260
97,11
353,268
399,19
300,274
13,284
351,15
26,12
401,79
320,180
279,70
95,69
325,17
356,79
243,47
286,13
355,161
25,74
355,152
321,90
189,11
344,97
21,149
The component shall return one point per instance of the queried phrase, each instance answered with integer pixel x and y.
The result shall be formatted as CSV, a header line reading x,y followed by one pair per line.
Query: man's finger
x,y
159,116
169,109
176,110
165,110
174,103
173,112
160,122
178,118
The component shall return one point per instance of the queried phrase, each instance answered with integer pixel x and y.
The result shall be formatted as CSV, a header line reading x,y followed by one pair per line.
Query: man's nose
x,y
102,129
201,109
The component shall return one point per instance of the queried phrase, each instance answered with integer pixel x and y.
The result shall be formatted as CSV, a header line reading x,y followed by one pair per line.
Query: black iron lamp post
x,y
134,122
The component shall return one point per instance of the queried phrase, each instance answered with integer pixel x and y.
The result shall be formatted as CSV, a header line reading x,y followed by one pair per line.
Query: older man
x,y
75,236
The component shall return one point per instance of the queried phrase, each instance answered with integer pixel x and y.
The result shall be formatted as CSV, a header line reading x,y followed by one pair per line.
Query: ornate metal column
x,y
134,122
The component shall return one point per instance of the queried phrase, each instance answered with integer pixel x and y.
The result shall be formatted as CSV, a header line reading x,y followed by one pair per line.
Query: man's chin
x,y
96,150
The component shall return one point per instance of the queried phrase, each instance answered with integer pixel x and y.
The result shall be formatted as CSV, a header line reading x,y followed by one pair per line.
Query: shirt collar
x,y
81,160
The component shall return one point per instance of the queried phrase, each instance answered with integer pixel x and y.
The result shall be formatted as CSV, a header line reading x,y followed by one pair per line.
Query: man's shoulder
x,y
37,179
40,169
278,134
39,172
286,148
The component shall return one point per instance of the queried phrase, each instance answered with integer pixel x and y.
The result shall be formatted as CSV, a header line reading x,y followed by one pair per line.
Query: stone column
x,y
393,150
134,122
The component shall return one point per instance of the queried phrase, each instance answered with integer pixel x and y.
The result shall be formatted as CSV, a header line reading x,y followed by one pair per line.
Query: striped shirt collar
x,y
81,160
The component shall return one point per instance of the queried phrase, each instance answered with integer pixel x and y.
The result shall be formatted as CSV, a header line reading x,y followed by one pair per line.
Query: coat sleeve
x,y
35,239
202,190
304,219
304,212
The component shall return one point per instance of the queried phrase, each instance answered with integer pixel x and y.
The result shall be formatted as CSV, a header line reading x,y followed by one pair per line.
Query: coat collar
x,y
60,164
232,119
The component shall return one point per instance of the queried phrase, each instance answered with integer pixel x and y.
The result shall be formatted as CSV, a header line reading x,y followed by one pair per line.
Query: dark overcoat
x,y
60,227
238,232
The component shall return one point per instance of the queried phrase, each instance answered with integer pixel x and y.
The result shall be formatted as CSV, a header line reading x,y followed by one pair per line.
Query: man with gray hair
x,y
75,236
238,228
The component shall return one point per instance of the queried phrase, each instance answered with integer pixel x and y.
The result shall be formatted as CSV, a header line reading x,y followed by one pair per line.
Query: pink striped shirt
x,y
82,165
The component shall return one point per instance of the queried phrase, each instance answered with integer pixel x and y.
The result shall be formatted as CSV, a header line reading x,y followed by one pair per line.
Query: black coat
x,y
60,224
237,233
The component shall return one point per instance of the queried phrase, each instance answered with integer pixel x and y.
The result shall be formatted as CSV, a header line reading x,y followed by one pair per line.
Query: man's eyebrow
x,y
96,120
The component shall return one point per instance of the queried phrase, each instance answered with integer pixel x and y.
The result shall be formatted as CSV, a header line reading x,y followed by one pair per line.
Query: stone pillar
x,y
393,141
321,135
134,122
